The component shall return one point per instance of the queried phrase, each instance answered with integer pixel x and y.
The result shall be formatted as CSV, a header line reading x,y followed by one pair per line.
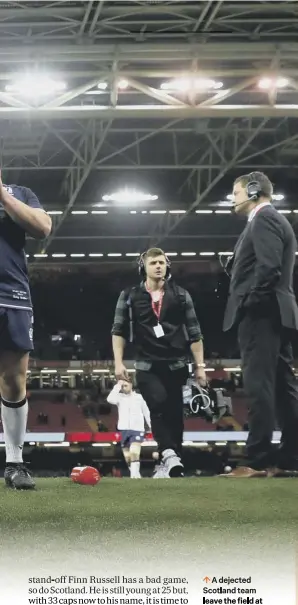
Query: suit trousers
x,y
270,384
161,388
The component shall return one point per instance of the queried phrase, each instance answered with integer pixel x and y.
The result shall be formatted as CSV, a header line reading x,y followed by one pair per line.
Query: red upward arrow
x,y
206,579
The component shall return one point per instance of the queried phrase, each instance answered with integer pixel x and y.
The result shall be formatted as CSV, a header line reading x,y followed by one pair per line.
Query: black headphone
x,y
253,190
142,270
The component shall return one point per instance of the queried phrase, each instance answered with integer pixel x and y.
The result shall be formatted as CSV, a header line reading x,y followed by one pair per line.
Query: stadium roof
x,y
166,97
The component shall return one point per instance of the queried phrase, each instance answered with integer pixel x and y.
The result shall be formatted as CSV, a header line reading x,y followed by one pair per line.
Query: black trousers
x,y
270,384
162,390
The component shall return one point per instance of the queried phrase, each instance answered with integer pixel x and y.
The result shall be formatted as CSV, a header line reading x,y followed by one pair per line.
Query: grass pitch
x,y
189,527
189,505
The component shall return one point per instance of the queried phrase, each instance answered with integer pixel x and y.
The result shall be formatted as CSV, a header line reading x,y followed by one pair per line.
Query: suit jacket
x,y
261,270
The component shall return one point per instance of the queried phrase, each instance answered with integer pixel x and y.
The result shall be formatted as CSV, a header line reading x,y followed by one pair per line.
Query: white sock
x,y
14,422
135,469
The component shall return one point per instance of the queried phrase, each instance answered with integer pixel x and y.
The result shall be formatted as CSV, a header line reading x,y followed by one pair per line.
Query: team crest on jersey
x,y
8,189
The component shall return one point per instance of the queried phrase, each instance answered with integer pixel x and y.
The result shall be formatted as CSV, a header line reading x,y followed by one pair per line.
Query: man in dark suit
x,y
262,305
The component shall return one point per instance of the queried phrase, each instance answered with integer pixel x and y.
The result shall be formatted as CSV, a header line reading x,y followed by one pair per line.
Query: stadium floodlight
x,y
132,254
99,212
171,253
189,84
40,255
278,197
273,83
60,255
122,84
95,254
61,444
129,196
102,85
77,255
204,211
79,212
207,253
54,212
188,253
282,82
114,254
223,211
177,211
34,86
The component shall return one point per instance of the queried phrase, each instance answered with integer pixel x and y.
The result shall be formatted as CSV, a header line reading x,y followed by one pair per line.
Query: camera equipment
x,y
208,403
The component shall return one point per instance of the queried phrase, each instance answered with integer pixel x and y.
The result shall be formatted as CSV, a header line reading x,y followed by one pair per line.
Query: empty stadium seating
x,y
55,412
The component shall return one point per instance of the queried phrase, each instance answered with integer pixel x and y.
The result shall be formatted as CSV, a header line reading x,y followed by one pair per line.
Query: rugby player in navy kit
x,y
20,213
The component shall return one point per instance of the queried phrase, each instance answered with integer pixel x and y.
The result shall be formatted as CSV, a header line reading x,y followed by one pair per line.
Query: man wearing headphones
x,y
159,317
261,303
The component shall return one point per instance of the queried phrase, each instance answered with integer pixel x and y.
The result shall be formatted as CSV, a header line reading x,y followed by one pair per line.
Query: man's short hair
x,y
266,187
153,252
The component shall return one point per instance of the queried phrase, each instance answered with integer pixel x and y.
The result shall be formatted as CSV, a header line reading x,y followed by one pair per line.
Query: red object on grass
x,y
85,475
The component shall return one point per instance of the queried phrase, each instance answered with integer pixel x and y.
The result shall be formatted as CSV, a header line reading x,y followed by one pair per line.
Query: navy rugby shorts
x,y
16,330
129,437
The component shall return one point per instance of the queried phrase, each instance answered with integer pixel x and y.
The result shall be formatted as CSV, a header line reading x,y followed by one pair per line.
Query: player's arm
x,y
113,397
146,412
119,335
34,220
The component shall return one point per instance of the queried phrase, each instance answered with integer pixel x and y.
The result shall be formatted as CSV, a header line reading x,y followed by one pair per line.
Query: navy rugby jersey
x,y
14,283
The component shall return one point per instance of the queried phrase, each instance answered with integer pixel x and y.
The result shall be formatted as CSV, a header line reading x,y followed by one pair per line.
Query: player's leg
x,y
14,405
135,454
14,412
126,455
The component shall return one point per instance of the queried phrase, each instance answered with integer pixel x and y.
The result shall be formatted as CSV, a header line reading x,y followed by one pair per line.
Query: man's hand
x,y
200,376
121,372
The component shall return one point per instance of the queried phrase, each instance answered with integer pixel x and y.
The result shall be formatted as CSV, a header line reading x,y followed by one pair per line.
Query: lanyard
x,y
156,305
